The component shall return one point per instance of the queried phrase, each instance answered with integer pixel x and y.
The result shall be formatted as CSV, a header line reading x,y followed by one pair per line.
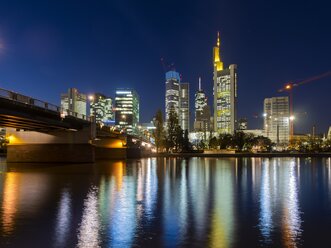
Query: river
x,y
167,202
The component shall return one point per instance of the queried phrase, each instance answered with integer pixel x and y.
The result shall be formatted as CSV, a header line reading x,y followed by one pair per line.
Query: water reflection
x,y
291,220
279,206
88,232
63,219
222,222
167,202
10,201
21,193
122,219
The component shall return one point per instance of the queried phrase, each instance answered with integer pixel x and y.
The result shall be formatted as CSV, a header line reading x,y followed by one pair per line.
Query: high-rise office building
x,y
184,102
73,103
225,94
127,110
277,119
177,99
172,93
102,108
202,111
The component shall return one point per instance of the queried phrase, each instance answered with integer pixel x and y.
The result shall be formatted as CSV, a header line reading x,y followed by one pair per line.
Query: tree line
x,y
174,139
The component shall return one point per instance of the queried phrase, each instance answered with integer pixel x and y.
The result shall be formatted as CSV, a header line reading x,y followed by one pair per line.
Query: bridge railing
x,y
38,103
65,112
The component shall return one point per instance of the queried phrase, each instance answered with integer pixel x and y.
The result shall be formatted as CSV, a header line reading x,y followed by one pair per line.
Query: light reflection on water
x,y
88,231
279,206
63,220
201,202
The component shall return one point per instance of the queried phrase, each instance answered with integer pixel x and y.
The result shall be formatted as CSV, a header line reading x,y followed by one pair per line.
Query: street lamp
x,y
92,117
123,124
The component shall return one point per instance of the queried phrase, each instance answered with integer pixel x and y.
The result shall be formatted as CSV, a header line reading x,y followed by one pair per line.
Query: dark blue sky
x,y
98,46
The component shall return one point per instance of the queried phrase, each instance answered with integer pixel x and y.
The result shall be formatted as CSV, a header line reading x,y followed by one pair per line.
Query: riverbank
x,y
241,154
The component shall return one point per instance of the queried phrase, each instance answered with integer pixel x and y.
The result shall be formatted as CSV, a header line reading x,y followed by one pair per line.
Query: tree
x,y
158,133
186,143
263,143
213,143
173,131
225,140
239,140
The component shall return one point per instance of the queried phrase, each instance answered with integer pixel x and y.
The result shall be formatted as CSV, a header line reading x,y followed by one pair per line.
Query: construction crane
x,y
288,87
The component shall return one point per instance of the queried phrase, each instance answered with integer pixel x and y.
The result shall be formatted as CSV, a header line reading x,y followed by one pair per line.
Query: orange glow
x,y
116,144
10,201
288,86
118,171
13,139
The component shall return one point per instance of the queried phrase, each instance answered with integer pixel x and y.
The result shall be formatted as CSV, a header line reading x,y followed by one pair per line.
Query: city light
x,y
288,86
292,118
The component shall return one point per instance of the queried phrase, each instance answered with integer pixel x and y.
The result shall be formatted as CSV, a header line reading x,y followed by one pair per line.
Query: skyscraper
x,y
102,108
184,102
202,111
177,99
225,94
73,103
172,93
127,110
276,119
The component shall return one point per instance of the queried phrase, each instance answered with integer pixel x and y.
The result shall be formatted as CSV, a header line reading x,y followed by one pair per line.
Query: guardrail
x,y
13,96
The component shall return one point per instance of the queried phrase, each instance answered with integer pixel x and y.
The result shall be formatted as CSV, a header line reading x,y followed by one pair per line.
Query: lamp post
x,y
92,118
123,117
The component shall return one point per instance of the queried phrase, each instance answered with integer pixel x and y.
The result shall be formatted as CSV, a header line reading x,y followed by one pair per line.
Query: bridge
x,y
42,132
26,113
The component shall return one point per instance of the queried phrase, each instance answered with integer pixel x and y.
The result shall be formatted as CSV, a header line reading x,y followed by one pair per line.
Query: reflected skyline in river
x,y
167,202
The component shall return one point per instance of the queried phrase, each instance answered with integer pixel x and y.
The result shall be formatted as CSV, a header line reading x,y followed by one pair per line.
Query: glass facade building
x,y
172,93
127,110
101,107
184,111
202,111
177,99
73,103
225,94
277,119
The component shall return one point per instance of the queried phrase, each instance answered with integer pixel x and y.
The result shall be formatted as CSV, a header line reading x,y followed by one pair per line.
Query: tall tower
x,y
225,94
202,111
184,102
172,93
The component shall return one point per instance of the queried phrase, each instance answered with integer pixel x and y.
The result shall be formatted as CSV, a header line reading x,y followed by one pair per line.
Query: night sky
x,y
98,46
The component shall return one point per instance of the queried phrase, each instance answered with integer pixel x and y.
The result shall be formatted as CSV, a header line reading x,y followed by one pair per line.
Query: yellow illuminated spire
x,y
218,64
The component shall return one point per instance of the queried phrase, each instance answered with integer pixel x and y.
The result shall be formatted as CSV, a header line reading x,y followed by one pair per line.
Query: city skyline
x,y
99,48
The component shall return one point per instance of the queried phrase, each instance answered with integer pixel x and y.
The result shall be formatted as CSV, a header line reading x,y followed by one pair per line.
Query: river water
x,y
167,202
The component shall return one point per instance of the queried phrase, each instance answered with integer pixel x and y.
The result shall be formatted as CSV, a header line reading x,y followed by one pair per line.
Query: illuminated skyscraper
x,y
177,99
74,103
127,110
276,119
172,93
184,100
102,108
202,111
225,94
